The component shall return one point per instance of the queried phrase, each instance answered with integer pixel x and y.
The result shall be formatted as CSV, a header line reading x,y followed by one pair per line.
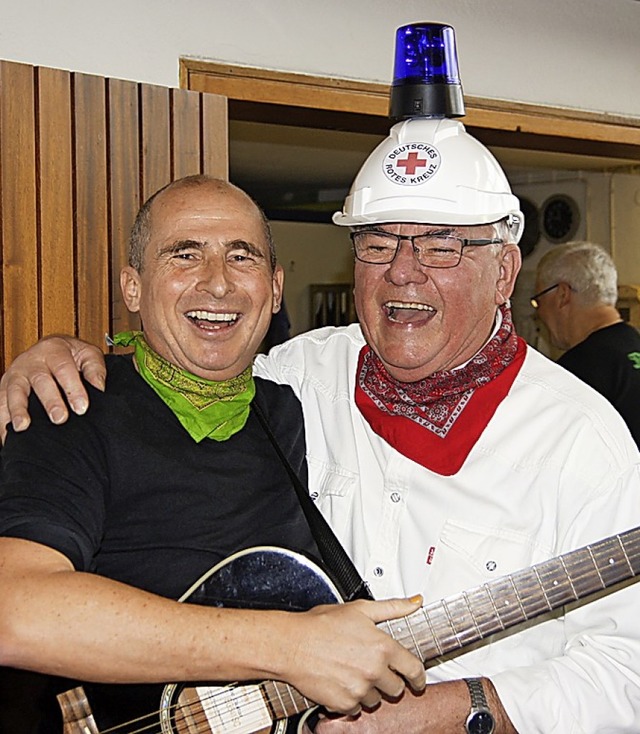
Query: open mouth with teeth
x,y
408,312
211,321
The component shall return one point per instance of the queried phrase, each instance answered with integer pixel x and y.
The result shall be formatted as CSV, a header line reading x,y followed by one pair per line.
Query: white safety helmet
x,y
431,171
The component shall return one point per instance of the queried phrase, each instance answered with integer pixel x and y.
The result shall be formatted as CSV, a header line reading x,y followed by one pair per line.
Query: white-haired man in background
x,y
576,296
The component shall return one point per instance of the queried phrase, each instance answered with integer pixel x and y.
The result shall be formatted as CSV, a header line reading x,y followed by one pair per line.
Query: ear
x,y
510,264
565,295
131,287
278,286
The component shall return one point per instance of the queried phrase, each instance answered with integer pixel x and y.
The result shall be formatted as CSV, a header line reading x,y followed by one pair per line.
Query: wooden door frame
x,y
262,95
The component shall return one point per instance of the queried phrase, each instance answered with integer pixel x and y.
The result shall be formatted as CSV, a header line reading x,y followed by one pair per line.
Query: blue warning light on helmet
x,y
426,82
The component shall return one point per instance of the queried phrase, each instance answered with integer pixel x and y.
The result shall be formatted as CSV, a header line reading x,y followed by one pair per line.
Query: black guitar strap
x,y
349,582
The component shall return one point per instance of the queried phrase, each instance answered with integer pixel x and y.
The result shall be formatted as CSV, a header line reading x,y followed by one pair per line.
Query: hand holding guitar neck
x,y
360,664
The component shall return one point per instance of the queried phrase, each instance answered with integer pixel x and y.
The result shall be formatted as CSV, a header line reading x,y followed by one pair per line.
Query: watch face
x,y
481,722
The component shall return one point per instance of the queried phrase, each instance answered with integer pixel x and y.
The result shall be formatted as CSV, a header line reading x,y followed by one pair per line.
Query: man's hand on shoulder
x,y
50,368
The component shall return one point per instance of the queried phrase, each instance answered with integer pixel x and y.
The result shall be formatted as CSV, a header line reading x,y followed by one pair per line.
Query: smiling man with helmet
x,y
446,452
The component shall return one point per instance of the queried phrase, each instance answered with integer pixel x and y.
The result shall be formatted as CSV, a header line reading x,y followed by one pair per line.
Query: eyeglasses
x,y
378,247
534,299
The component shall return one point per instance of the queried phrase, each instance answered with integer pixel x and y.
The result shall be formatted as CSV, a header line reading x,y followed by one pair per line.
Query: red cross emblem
x,y
411,162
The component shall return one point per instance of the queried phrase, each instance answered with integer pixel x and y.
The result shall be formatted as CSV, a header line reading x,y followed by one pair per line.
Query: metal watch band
x,y
480,719
476,691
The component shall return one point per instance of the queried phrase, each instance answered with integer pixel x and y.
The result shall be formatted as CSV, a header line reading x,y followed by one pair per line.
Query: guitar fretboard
x,y
450,624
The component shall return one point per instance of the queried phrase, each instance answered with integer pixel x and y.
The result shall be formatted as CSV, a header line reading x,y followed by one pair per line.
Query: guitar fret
x,y
283,700
446,634
546,598
464,626
624,551
445,607
519,600
509,608
595,565
583,565
465,596
612,561
573,588
415,642
293,703
495,608
555,583
403,633
485,613
630,542
530,593
434,637
274,699
298,701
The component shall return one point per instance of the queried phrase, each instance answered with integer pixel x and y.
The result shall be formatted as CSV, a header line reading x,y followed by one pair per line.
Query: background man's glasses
x,y
432,251
534,300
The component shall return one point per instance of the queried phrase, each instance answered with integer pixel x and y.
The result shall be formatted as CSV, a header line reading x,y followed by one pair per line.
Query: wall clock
x,y
560,218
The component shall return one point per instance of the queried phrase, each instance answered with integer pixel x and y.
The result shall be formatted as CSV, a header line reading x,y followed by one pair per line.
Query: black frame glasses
x,y
534,299
377,247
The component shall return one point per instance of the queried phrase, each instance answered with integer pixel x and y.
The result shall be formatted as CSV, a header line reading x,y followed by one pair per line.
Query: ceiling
x,y
286,167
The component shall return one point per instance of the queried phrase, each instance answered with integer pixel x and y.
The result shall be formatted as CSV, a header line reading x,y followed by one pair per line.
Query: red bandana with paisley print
x,y
437,421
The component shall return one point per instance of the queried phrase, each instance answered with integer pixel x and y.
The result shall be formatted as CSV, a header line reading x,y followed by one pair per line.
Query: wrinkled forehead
x,y
215,199
222,211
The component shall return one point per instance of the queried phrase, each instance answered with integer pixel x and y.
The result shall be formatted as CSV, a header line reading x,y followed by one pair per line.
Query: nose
x,y
215,277
405,268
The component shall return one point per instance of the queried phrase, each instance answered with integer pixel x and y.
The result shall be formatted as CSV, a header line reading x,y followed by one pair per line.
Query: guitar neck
x,y
452,623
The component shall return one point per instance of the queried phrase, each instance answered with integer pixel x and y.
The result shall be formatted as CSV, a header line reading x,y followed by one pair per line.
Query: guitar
x,y
268,577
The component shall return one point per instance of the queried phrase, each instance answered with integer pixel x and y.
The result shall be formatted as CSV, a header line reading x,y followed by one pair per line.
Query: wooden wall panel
x,y
156,139
21,307
187,142
78,154
91,204
124,156
215,136
57,262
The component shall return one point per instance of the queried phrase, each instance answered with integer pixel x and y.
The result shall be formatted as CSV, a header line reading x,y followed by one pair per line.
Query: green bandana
x,y
206,409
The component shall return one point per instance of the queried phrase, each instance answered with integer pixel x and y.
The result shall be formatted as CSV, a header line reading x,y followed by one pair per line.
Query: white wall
x,y
570,53
310,253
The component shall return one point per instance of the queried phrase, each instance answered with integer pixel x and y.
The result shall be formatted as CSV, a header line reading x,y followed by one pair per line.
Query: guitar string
x,y
582,569
201,717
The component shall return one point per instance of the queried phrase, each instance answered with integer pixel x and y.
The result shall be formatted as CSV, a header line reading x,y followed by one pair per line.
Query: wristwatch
x,y
480,719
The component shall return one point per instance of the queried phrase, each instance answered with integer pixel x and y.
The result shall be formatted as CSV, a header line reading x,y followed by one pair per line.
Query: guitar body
x,y
258,578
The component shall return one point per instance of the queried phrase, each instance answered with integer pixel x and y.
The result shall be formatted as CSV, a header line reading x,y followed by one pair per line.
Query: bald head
x,y
142,227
